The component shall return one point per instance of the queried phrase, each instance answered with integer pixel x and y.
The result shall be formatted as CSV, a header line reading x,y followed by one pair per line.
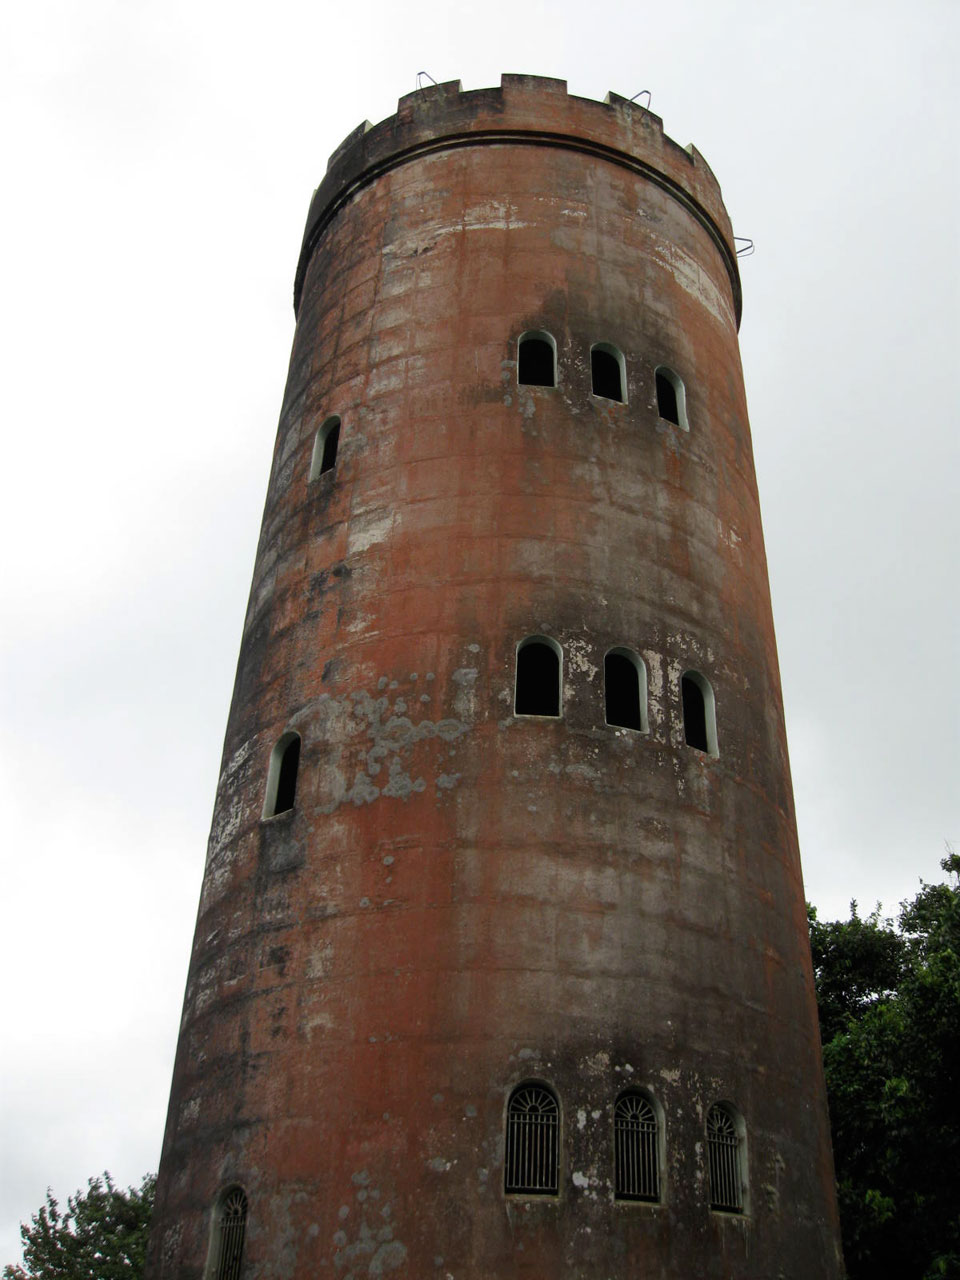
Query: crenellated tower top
x,y
528,111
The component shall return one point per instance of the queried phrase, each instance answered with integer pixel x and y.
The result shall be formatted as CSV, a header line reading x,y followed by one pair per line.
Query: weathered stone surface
x,y
464,899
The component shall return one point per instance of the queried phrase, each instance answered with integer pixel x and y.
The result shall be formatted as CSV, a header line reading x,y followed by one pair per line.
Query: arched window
x,y
625,690
607,371
533,1142
725,1143
282,775
537,360
539,671
636,1135
325,444
671,398
699,713
229,1229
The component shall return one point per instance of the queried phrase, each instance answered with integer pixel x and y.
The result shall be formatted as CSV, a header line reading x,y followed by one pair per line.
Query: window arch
x,y
282,775
325,445
726,1142
625,690
608,372
636,1141
699,713
532,1159
671,397
539,677
227,1237
537,359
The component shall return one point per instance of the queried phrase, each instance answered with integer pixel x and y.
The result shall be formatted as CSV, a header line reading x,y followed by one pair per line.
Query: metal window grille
x,y
723,1146
533,1125
231,1228
636,1149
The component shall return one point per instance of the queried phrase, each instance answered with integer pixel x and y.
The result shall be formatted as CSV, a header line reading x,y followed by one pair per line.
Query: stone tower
x,y
501,965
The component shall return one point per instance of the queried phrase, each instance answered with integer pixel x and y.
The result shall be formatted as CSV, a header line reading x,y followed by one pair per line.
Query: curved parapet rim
x,y
521,113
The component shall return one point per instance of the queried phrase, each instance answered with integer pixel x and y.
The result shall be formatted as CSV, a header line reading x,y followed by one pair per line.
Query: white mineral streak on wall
x,y
577,650
365,531
729,536
489,215
691,277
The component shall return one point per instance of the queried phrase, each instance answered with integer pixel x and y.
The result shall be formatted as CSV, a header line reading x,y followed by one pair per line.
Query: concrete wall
x,y
463,899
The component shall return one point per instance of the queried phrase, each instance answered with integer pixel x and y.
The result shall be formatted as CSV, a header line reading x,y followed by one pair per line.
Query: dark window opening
x,y
667,406
532,1148
286,775
636,1149
694,714
723,1147
535,366
325,444
332,439
621,683
607,374
538,680
231,1226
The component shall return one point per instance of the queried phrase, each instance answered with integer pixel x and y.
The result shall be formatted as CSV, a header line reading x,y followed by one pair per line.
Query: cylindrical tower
x,y
501,965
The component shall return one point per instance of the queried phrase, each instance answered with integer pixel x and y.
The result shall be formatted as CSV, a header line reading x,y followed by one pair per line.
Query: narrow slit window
x,y
537,360
538,677
671,398
607,372
699,713
282,776
325,445
533,1142
230,1228
625,690
725,1153
636,1134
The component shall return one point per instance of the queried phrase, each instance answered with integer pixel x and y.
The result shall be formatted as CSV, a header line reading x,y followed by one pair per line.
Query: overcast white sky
x,y
159,158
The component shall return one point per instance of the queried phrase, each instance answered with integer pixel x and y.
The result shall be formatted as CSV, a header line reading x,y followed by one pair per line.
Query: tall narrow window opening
x,y
699,713
625,690
636,1149
533,1146
228,1235
607,372
538,677
671,398
282,775
325,445
725,1152
537,360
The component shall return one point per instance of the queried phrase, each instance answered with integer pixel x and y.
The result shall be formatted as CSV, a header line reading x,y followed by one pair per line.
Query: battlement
x,y
524,110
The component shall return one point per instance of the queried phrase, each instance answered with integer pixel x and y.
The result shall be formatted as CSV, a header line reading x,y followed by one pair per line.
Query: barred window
x,y
725,1151
636,1136
229,1230
533,1128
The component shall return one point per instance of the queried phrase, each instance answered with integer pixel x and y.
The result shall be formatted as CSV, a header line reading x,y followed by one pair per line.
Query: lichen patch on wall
x,y
359,724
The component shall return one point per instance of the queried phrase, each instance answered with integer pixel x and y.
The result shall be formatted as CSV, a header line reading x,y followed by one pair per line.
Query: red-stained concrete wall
x,y
464,899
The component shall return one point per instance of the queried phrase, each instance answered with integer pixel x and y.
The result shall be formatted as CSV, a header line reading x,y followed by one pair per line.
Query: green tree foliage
x,y
102,1235
889,998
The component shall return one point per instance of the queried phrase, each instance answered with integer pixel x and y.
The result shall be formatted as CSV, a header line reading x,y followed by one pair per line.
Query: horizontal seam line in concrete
x,y
495,137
